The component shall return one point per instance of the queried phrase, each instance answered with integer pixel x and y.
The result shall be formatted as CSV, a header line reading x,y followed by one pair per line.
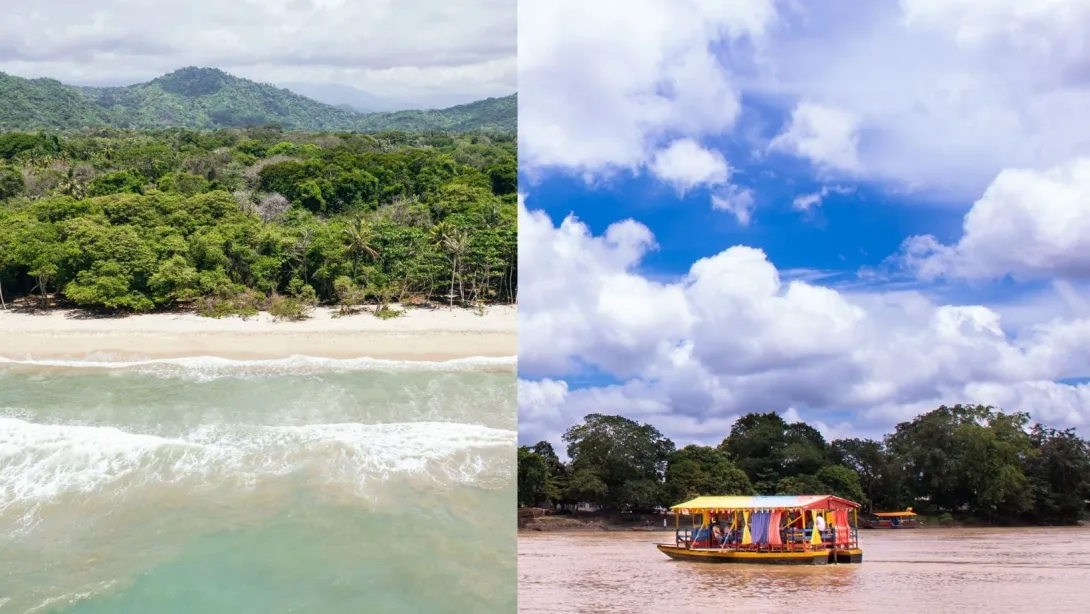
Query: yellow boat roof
x,y
895,514
818,502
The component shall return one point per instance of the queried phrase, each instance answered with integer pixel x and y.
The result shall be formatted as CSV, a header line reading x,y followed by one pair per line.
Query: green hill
x,y
491,114
208,98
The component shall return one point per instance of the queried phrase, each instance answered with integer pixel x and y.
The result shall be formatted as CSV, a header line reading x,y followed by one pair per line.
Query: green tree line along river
x,y
966,463
242,219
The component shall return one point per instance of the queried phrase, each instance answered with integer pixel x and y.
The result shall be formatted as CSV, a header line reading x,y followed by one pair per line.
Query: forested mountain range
x,y
209,99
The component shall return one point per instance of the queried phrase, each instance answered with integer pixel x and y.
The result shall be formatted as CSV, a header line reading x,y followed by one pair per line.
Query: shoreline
x,y
425,335
569,524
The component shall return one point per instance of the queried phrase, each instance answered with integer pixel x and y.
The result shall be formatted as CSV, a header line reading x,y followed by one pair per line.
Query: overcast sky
x,y
418,50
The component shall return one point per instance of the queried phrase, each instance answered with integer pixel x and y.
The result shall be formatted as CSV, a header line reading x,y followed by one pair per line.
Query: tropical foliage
x,y
968,462
235,220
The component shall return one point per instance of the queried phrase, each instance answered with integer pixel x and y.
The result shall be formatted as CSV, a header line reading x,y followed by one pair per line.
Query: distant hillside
x,y
208,98
490,114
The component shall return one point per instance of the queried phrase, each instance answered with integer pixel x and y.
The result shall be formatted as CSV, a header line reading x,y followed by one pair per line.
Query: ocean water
x,y
297,485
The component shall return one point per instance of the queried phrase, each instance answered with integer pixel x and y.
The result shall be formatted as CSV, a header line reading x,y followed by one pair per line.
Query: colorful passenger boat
x,y
767,530
890,520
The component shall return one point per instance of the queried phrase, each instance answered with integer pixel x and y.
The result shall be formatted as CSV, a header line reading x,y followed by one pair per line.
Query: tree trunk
x,y
509,281
453,272
461,287
41,287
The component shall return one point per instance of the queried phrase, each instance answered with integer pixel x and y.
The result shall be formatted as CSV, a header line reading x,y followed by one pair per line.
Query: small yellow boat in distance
x,y
890,520
767,530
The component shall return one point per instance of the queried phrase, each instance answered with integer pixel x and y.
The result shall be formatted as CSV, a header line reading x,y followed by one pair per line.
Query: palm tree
x,y
361,239
455,241
73,185
298,252
2,303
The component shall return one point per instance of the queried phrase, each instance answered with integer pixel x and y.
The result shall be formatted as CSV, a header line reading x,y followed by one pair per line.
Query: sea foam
x,y
40,463
210,367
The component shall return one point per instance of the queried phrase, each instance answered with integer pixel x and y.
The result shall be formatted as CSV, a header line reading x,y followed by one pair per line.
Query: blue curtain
x,y
758,526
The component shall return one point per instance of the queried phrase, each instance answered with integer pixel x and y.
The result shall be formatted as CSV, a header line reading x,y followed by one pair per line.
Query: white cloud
x,y
1042,25
416,48
732,337
931,95
807,202
945,94
588,305
604,84
824,135
686,164
549,407
737,201
1028,224
947,97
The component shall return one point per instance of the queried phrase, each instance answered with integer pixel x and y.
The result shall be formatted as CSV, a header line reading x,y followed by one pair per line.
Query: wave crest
x,y
213,366
44,463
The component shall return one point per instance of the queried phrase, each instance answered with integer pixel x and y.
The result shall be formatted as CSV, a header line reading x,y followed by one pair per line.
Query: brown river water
x,y
963,571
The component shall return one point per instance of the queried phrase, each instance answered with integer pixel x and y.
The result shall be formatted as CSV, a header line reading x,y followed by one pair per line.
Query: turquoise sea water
x,y
299,485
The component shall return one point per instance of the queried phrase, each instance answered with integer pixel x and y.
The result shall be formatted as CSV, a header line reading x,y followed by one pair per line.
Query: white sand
x,y
419,334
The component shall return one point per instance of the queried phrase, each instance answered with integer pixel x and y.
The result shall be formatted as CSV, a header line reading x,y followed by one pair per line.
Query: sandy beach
x,y
420,334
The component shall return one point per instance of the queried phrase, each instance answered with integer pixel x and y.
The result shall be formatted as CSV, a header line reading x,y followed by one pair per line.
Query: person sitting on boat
x,y
819,523
717,534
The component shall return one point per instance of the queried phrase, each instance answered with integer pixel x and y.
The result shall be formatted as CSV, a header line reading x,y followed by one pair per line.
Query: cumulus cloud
x,y
961,98
686,164
411,49
824,135
631,318
1045,25
928,95
604,84
733,337
1028,224
944,94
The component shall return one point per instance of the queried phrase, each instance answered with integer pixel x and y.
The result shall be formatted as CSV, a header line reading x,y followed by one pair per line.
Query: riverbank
x,y
533,520
421,334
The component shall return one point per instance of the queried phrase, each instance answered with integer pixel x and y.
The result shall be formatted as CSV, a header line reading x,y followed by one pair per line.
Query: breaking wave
x,y
43,463
205,367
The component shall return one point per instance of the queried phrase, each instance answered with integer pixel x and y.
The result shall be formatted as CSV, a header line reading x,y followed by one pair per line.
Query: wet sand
x,y
964,571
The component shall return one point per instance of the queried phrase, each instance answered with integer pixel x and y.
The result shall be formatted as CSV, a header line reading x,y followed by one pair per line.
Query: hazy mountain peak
x,y
193,81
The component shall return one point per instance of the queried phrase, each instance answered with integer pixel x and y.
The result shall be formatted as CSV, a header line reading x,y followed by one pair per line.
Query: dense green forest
x,y
970,463
208,98
237,220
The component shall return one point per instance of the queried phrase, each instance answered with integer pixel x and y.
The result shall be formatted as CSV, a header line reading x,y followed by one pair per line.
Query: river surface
x,y
217,486
964,571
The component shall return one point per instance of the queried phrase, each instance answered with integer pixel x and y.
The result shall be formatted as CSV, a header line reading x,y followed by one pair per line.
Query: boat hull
x,y
808,557
850,556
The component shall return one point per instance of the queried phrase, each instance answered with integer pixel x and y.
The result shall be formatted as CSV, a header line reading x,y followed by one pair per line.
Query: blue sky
x,y
844,234
847,216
